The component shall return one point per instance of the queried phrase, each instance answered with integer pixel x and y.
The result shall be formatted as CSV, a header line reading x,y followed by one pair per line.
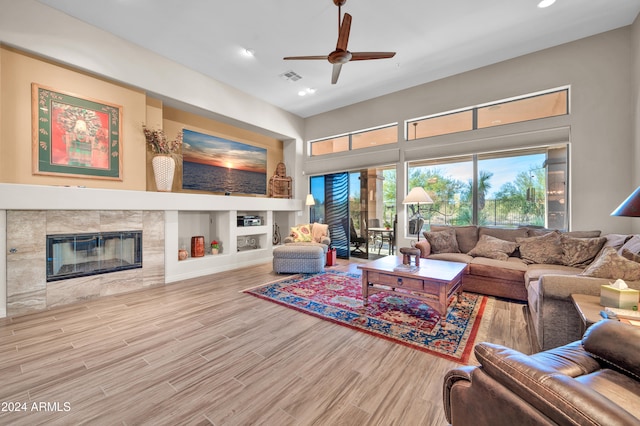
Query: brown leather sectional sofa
x,y
595,381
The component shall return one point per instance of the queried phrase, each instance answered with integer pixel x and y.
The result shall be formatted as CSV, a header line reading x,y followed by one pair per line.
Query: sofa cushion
x,y
609,264
506,234
452,257
512,269
580,252
537,232
493,248
466,236
535,271
543,249
301,233
443,241
324,247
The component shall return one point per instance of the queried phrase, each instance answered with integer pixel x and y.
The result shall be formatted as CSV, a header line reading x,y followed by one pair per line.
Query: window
x,y
329,146
440,125
507,189
532,108
355,140
523,108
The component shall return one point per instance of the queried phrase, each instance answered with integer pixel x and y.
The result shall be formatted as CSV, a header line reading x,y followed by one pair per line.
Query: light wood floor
x,y
201,352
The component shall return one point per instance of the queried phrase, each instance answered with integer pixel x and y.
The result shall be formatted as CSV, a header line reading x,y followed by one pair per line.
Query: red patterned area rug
x,y
337,297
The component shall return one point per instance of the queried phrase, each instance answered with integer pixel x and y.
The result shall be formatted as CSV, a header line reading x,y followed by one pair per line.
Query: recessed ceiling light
x,y
307,91
546,3
250,53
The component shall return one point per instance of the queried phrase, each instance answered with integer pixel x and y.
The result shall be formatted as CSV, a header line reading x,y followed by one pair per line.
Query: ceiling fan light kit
x,y
341,55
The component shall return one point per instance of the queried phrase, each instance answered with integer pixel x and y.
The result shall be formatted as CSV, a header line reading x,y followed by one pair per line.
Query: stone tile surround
x,y
27,288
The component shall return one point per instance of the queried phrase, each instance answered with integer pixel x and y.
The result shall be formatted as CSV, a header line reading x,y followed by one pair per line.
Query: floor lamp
x,y
417,196
310,202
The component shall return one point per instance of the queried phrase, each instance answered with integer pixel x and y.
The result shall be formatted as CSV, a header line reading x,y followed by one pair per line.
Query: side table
x,y
588,308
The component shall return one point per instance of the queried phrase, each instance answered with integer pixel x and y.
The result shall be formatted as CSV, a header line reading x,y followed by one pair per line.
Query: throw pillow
x,y
632,244
631,256
580,252
319,231
493,248
443,241
466,236
301,234
616,240
609,264
543,249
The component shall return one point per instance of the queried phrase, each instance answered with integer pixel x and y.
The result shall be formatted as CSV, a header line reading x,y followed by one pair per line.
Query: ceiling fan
x,y
341,55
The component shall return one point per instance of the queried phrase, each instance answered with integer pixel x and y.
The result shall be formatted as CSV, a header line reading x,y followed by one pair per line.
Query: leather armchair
x,y
595,381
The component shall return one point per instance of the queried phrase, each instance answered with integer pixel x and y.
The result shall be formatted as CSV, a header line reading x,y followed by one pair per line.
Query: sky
x,y
215,151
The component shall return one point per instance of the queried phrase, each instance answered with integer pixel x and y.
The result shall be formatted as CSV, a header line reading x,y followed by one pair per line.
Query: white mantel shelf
x,y
42,197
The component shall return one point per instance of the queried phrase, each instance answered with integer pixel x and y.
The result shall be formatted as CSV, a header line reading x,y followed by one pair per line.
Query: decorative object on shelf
x,y
276,234
182,253
417,195
280,183
215,247
249,242
75,136
197,246
164,163
233,167
164,168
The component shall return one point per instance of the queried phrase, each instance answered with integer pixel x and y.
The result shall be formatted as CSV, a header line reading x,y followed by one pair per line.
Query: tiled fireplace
x,y
103,239
80,255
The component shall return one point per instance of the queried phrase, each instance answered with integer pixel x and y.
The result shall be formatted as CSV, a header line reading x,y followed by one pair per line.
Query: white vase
x,y
164,168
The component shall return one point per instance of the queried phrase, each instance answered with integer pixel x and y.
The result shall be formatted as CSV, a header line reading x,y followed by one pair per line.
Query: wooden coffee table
x,y
434,282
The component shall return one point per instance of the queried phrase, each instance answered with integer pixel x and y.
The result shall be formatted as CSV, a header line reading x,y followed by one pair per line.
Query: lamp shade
x,y
629,207
417,195
310,201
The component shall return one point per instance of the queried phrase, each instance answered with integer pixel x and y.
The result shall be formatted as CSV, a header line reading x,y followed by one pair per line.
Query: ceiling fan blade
x,y
336,73
304,58
365,56
343,33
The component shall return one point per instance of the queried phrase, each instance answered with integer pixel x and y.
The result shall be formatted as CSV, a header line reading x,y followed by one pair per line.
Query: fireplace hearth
x,y
78,255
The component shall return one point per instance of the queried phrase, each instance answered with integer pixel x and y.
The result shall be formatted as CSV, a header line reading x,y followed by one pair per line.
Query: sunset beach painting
x,y
215,164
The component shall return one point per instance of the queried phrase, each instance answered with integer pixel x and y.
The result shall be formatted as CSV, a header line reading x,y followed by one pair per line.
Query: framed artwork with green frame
x,y
75,136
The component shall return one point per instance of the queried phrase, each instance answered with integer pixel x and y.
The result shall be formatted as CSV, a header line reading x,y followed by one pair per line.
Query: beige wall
x,y
19,70
600,129
174,120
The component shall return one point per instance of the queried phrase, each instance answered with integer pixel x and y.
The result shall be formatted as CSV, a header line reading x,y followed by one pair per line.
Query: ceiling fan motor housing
x,y
339,57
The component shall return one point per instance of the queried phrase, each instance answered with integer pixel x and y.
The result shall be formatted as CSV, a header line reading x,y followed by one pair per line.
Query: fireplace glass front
x,y
78,255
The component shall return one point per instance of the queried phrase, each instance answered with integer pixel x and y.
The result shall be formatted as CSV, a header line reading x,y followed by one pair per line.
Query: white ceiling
x,y
433,39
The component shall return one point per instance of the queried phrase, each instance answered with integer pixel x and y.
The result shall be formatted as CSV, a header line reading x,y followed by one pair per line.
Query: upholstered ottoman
x,y
295,259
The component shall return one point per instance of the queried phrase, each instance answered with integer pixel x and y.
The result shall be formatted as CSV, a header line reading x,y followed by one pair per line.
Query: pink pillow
x,y
319,231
